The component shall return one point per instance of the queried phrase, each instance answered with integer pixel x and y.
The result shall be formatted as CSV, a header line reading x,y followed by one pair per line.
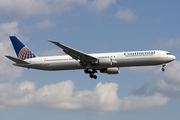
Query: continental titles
x,y
144,53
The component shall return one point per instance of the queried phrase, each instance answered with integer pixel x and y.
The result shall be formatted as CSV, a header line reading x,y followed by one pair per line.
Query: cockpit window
x,y
168,53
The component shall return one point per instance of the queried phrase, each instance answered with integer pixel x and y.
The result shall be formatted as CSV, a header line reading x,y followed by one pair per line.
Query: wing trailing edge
x,y
77,55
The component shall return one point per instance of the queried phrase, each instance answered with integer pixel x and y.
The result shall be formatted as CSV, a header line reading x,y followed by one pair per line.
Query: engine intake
x,y
111,70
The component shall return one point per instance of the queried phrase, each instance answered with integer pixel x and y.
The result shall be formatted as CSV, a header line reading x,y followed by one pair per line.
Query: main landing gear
x,y
163,67
91,73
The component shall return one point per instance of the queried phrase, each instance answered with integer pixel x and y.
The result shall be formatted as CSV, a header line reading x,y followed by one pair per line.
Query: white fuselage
x,y
105,60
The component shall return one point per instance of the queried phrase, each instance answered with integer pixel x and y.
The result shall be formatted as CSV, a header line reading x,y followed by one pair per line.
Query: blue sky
x,y
91,26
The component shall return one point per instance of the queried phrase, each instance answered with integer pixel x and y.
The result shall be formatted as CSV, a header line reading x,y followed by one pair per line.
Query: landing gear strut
x,y
163,67
91,73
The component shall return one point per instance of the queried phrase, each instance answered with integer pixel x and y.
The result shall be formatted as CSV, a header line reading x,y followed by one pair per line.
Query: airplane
x,y
91,63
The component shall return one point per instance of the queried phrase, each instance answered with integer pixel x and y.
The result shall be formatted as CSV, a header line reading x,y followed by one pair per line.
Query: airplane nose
x,y
172,57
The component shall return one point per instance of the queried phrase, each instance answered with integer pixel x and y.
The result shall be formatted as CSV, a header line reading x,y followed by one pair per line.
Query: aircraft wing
x,y
77,55
16,60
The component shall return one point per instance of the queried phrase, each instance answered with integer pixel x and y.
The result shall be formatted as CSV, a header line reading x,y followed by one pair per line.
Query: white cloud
x,y
25,8
15,9
134,103
126,14
173,42
167,83
172,72
168,89
100,5
15,94
61,96
7,70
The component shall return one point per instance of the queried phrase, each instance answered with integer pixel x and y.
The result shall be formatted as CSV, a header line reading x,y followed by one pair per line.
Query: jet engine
x,y
111,70
105,62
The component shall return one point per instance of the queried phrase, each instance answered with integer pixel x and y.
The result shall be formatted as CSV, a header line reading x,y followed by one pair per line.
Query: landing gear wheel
x,y
163,67
91,73
95,77
86,71
91,76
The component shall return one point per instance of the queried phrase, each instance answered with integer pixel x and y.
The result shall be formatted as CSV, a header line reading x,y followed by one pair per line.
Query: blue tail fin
x,y
21,50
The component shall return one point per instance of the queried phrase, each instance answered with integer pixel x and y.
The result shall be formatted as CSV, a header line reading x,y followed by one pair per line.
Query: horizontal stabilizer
x,y
16,60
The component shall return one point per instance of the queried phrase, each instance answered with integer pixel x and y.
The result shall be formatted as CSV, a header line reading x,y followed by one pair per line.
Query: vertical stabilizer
x,y
21,50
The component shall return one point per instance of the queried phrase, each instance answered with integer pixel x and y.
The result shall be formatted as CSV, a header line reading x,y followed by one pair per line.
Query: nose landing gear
x,y
163,67
91,73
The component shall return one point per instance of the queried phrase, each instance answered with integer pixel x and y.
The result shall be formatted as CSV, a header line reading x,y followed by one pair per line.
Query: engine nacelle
x,y
105,62
111,70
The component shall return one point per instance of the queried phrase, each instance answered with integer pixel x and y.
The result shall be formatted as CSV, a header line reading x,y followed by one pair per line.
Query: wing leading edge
x,y
77,55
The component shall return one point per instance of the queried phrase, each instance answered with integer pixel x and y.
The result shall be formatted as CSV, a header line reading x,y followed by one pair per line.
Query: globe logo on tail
x,y
25,53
